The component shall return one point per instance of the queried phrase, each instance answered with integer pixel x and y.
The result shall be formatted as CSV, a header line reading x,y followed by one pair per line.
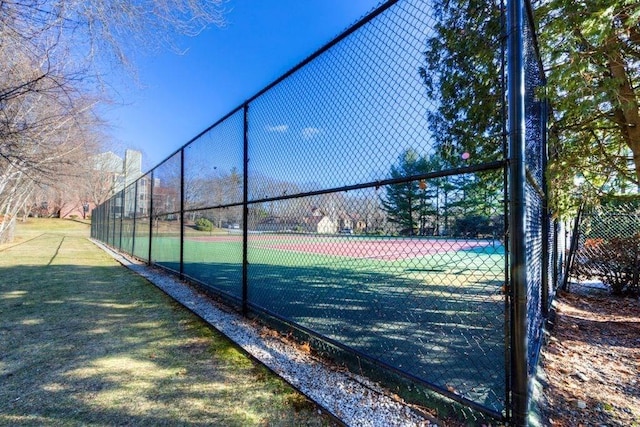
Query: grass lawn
x,y
84,341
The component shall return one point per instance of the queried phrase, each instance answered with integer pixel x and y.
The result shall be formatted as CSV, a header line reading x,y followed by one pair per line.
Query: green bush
x,y
203,224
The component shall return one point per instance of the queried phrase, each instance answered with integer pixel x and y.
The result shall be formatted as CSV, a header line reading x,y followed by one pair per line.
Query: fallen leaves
x,y
592,362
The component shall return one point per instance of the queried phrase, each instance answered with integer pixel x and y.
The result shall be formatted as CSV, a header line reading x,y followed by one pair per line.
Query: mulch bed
x,y
592,362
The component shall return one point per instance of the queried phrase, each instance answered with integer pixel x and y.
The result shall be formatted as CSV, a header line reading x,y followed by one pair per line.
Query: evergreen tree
x,y
462,74
591,55
592,59
408,204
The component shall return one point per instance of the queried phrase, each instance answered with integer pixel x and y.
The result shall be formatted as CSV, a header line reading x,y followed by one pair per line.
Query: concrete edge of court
x,y
351,398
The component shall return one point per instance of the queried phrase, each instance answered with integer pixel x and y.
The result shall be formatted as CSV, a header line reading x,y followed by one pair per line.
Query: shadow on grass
x,y
451,336
98,345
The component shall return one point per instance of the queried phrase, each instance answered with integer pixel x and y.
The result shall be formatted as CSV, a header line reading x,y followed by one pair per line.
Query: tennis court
x,y
389,248
431,307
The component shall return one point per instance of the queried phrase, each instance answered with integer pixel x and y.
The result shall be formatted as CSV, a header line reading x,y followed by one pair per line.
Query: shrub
x,y
615,261
203,224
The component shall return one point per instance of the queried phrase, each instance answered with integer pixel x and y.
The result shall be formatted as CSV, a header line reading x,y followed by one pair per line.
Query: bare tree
x,y
42,120
51,57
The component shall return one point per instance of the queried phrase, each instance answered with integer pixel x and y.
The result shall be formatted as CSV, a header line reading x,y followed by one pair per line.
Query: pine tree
x,y
407,204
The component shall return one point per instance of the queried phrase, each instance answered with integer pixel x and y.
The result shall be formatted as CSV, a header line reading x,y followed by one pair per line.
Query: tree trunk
x,y
627,114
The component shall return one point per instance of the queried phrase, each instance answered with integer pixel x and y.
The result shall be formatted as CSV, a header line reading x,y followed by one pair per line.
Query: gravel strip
x,y
353,399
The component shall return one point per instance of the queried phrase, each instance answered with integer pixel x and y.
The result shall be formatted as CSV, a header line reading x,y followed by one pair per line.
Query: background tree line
x,y
55,57
465,205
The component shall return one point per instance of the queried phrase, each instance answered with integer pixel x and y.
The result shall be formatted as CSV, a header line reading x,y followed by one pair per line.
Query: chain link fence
x,y
542,245
356,199
608,249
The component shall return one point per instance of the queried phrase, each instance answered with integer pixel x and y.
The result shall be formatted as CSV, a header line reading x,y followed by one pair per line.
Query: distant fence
x,y
607,244
345,200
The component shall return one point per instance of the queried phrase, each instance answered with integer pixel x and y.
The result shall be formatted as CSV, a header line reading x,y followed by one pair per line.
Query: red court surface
x,y
387,249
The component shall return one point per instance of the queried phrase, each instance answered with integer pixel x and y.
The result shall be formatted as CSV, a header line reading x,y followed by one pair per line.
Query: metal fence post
x,y
100,223
573,246
546,216
108,221
245,211
182,213
150,215
555,255
517,212
115,219
121,217
135,215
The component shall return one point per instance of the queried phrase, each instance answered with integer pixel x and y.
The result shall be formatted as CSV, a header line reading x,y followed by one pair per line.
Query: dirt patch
x,y
592,362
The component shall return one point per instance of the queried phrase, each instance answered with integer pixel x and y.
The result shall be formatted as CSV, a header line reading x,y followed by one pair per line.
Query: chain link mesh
x,y
128,218
111,217
557,261
166,199
535,264
213,167
213,249
538,226
430,305
142,217
343,118
609,245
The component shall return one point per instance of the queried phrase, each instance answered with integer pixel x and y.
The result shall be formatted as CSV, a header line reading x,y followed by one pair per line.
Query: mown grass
x,y
84,341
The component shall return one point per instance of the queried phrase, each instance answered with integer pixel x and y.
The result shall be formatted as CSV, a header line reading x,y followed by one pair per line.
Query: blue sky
x,y
180,95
